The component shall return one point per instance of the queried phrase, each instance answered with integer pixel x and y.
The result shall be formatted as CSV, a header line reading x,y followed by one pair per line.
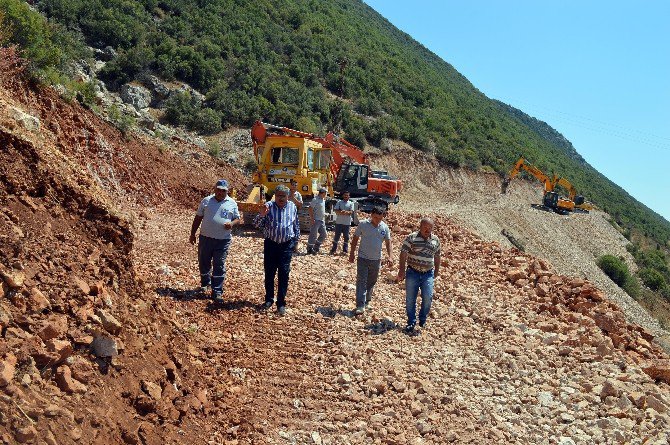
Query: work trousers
x,y
317,229
367,272
277,260
341,230
212,255
415,280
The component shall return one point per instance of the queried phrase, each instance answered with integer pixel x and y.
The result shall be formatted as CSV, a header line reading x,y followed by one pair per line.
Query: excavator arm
x,y
521,164
572,192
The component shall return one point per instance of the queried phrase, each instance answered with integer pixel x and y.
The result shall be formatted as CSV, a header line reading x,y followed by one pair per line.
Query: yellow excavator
x,y
551,199
581,205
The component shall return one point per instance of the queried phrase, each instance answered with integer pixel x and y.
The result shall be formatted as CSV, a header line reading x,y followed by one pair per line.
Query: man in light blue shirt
x,y
218,214
344,209
373,233
317,213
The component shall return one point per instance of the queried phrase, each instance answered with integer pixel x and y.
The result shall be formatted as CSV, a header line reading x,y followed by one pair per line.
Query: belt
x,y
420,271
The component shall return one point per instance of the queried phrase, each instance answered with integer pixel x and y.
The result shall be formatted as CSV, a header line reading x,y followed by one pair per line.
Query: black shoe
x,y
267,305
422,323
281,310
332,251
218,298
410,328
310,250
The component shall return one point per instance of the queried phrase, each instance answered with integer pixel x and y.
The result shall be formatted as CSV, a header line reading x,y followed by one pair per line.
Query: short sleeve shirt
x,y
214,214
420,251
344,205
372,239
319,206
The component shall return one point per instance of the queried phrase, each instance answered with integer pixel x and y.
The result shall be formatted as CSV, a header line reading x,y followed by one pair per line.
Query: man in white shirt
x,y
218,214
317,231
344,209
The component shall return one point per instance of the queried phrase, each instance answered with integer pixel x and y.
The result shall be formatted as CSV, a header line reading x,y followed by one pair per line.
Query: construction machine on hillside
x,y
283,154
581,205
551,199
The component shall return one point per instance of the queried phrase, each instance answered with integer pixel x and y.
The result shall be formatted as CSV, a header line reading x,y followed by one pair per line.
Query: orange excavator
x,y
551,199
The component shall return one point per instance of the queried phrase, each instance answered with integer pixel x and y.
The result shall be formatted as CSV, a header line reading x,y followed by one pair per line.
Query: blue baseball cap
x,y
222,184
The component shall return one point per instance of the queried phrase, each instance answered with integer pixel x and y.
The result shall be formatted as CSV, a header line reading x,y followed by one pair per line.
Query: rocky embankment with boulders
x,y
572,243
103,338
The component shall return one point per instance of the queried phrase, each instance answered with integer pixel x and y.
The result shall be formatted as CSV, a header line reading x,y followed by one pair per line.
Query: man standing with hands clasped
x,y
420,253
373,233
218,214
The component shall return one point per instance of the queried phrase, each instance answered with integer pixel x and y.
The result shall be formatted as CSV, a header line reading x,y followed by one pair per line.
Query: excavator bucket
x,y
504,185
252,205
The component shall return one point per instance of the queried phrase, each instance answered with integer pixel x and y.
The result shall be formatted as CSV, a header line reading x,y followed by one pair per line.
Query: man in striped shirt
x,y
420,264
281,228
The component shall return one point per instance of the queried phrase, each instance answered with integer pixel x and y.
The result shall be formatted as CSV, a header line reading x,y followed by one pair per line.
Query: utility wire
x,y
600,126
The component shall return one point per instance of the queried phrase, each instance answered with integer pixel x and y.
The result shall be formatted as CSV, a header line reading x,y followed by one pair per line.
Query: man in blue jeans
x,y
420,265
344,209
373,233
218,214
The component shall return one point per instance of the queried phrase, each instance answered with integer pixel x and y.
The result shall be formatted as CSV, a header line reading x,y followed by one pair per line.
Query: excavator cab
x,y
353,178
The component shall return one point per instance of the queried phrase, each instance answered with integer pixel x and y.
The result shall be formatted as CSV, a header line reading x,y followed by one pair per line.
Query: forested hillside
x,y
319,65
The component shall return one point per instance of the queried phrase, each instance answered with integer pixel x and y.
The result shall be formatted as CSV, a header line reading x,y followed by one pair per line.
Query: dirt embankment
x,y
75,328
571,243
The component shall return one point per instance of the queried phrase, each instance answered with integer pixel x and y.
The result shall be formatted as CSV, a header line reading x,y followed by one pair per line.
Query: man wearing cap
x,y
279,221
218,214
317,214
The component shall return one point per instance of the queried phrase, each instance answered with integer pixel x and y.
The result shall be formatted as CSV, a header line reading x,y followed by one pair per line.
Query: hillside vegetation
x,y
329,65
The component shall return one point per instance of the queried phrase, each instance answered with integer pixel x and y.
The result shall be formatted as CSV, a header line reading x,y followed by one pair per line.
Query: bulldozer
x,y
283,154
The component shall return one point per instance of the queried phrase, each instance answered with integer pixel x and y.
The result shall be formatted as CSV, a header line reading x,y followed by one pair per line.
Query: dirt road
x,y
480,371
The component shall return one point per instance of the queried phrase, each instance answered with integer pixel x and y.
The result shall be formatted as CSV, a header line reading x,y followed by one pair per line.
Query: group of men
x,y
217,214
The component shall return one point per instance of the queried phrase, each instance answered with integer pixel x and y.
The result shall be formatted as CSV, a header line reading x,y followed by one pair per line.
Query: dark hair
x,y
378,210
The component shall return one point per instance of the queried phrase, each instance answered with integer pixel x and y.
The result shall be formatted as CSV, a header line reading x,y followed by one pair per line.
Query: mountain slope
x,y
338,64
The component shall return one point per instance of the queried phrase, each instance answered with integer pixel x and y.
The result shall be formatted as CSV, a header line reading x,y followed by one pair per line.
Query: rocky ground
x,y
104,340
572,243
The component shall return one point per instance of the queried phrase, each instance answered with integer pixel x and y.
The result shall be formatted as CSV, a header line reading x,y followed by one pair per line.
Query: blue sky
x,y
597,71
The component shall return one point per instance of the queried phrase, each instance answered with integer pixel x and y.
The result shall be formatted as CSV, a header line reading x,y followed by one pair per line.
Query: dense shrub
x,y
206,121
615,268
48,46
180,108
652,278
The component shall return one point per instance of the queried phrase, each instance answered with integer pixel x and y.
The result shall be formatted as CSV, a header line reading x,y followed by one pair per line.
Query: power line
x,y
603,127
